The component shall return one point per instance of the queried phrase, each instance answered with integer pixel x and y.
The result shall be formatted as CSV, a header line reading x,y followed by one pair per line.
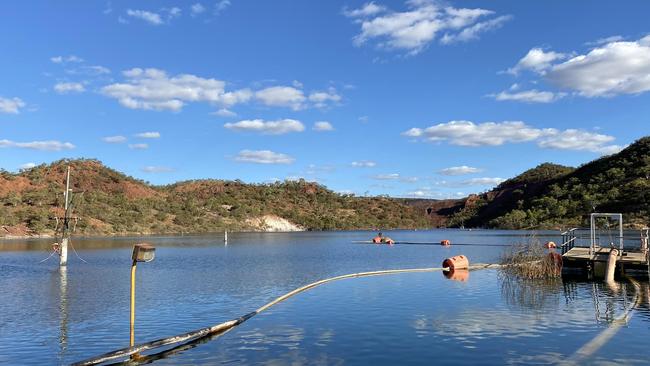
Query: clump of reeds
x,y
530,260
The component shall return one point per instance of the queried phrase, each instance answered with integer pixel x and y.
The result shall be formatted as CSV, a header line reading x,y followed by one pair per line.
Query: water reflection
x,y
63,311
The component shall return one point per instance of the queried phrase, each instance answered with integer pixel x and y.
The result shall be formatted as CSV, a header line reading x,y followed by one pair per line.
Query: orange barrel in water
x,y
457,275
456,262
445,243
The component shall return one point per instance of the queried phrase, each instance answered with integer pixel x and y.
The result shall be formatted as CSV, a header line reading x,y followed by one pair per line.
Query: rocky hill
x,y
552,196
109,202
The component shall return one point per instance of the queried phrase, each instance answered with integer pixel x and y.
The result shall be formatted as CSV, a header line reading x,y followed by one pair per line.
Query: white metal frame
x,y
616,216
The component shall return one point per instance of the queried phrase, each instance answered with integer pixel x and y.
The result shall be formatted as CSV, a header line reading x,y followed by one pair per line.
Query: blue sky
x,y
407,98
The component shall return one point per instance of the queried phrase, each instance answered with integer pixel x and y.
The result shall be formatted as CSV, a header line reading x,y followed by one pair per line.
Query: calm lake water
x,y
54,317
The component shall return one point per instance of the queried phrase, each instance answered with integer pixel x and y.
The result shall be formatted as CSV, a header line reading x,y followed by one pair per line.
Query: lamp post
x,y
141,253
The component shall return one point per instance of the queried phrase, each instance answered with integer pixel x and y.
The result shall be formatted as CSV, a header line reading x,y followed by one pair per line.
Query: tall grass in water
x,y
530,260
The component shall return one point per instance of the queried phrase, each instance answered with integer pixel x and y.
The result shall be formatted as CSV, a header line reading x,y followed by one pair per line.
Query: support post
x,y
132,328
63,258
611,266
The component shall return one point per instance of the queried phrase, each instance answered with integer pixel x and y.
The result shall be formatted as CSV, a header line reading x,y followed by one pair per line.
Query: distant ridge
x,y
114,203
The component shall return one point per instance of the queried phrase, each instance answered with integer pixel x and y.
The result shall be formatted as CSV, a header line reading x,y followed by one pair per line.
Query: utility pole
x,y
65,232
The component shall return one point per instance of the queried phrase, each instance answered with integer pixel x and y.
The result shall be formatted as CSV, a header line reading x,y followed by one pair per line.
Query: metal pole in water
x,y
132,328
63,259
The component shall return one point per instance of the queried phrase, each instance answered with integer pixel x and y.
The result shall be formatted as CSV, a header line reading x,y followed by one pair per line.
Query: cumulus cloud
x,y
263,157
573,139
363,164
278,127
11,105
536,60
147,16
66,59
395,177
153,89
221,6
67,88
148,135
366,10
281,96
197,9
413,29
224,112
528,96
156,169
49,145
138,146
482,182
466,133
323,126
114,139
460,170
322,98
612,69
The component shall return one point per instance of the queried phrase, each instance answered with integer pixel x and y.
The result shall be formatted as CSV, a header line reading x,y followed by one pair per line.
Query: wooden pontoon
x,y
587,252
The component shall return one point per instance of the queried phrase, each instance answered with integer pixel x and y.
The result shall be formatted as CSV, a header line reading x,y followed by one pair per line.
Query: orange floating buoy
x,y
376,240
456,262
457,275
445,243
550,245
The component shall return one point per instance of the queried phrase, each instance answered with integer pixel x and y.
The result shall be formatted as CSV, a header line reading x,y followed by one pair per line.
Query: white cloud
x,y
323,126
147,16
396,177
91,70
321,98
263,157
27,166
50,145
366,10
529,96
363,164
11,105
197,9
473,32
536,60
460,170
138,146
148,135
156,169
605,40
281,96
466,133
224,112
153,89
573,139
66,59
66,88
114,139
612,69
412,30
221,6
482,182
278,127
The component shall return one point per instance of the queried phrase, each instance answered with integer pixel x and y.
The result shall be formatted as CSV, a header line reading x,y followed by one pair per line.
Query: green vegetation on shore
x,y
109,202
551,196
113,203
